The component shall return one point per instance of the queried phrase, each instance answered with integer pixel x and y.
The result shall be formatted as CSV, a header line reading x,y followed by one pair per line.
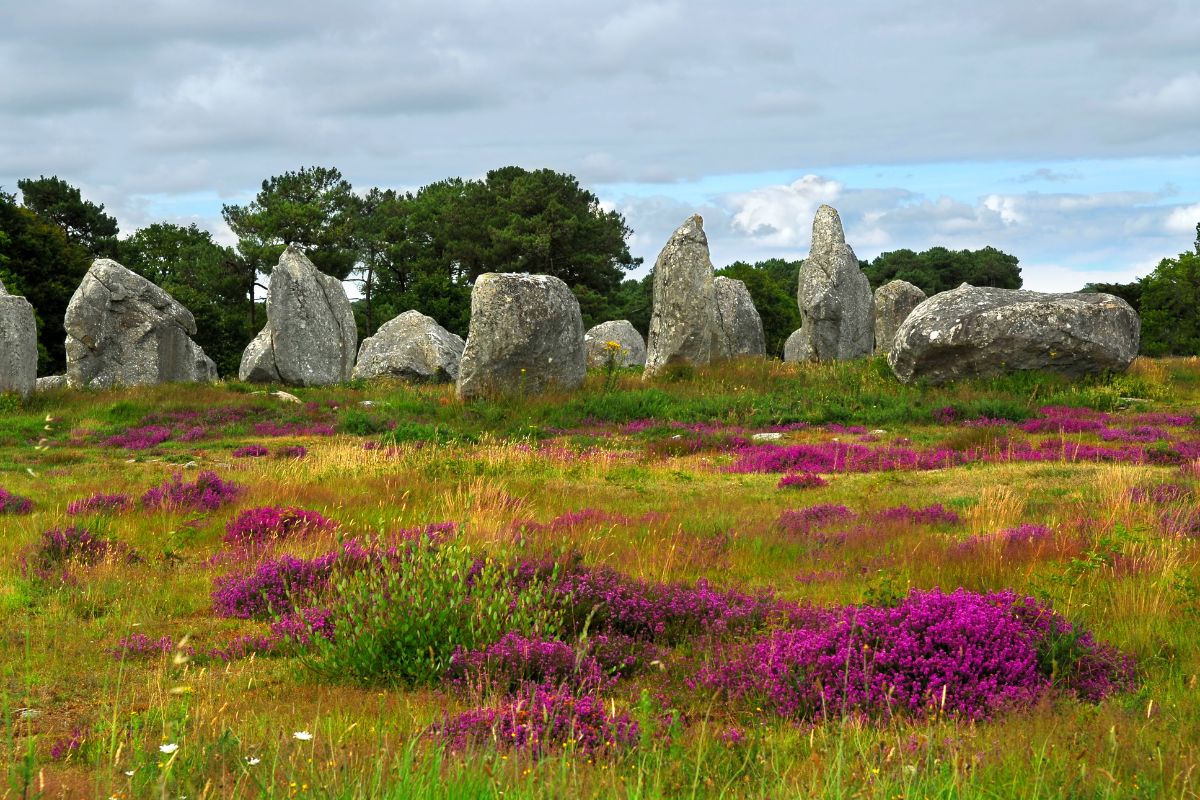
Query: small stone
x,y
893,303
768,436
598,339
412,347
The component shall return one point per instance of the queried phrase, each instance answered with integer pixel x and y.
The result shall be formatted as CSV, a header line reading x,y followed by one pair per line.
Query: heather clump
x,y
965,654
14,504
273,587
139,645
811,518
544,719
259,526
1160,494
514,660
100,503
142,438
607,601
936,514
801,480
59,549
251,451
207,493
294,429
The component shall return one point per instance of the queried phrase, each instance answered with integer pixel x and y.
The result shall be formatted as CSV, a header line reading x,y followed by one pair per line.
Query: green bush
x,y
400,621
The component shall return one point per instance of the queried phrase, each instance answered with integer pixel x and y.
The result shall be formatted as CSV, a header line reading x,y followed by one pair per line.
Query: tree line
x,y
423,250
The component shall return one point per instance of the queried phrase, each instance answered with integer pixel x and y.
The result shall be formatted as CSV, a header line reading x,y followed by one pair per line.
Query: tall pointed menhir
x,y
683,323
834,297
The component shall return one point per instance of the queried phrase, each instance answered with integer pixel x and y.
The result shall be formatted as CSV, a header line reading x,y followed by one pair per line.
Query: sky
x,y
1065,133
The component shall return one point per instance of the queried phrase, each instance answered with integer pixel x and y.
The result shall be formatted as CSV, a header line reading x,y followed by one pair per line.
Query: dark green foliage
x,y
84,223
313,207
772,287
37,260
401,621
1129,292
201,275
938,269
1170,324
428,247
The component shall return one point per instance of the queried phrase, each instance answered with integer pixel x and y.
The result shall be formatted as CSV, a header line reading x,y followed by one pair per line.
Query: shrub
x,y
403,619
14,504
544,720
207,493
99,503
250,451
962,653
258,526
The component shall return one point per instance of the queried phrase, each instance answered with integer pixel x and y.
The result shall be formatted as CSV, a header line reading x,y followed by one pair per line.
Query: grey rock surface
x,y
310,338
18,344
413,347
793,347
739,327
980,331
621,331
50,382
683,322
834,296
258,360
893,303
122,330
526,337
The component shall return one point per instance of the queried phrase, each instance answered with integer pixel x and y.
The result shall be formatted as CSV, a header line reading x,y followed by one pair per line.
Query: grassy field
x,y
756,580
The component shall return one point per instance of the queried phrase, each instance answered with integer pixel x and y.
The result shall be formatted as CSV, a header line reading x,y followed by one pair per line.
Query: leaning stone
x,y
122,330
413,347
18,344
683,324
893,303
526,337
631,347
739,327
793,348
834,296
981,331
310,337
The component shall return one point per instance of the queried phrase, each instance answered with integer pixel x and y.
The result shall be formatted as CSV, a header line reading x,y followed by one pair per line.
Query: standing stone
x,y
893,303
683,323
834,296
50,383
310,338
739,327
622,332
122,330
981,331
526,337
411,346
793,348
18,344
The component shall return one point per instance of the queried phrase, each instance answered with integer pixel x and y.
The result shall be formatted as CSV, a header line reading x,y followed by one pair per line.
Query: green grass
x,y
486,464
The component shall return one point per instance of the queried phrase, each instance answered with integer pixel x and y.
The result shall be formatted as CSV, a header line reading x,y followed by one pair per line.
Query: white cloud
x,y
1057,278
1183,219
1181,94
782,215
